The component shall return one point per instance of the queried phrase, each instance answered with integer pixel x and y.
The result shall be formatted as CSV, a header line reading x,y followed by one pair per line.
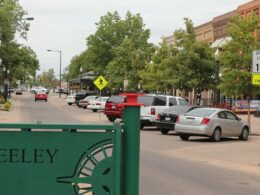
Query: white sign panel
x,y
256,62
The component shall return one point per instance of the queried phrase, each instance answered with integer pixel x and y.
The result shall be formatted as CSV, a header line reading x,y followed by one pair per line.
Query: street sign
x,y
255,79
256,62
101,82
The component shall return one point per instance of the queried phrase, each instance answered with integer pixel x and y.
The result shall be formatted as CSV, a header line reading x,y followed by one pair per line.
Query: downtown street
x,y
167,165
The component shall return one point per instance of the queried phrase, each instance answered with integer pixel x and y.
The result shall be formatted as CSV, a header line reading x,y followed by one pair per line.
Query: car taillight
x,y
158,117
152,111
177,119
205,121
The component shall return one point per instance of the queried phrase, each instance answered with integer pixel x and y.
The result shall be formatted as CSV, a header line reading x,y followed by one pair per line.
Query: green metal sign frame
x,y
72,159
60,159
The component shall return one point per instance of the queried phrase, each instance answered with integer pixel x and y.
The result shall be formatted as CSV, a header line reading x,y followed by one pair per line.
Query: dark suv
x,y
79,96
114,107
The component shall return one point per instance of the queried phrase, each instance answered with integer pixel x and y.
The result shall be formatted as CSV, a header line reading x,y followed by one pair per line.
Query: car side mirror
x,y
239,119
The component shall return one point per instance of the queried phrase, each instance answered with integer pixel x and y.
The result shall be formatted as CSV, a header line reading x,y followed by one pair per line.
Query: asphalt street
x,y
168,165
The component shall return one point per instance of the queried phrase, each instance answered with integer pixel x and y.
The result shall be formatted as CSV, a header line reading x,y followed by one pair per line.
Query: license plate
x,y
113,107
167,118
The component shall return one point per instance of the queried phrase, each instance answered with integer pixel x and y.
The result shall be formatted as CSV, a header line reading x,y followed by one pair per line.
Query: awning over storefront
x,y
88,76
220,42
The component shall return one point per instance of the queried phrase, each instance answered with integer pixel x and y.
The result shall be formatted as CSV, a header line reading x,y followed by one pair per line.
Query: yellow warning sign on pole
x,y
101,82
256,79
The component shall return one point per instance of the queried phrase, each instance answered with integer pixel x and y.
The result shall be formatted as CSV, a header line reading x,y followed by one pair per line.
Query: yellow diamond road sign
x,y
101,82
256,79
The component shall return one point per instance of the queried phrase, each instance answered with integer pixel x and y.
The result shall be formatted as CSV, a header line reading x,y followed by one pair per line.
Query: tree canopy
x,y
20,60
236,55
118,49
187,64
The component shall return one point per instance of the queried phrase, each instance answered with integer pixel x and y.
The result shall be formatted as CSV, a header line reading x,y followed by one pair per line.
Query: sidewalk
x,y
13,115
255,123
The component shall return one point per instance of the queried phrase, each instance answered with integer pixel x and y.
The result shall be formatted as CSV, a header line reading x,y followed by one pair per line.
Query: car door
x,y
234,126
223,123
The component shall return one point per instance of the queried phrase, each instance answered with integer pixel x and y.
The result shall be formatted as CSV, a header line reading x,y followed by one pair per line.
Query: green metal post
x,y
131,137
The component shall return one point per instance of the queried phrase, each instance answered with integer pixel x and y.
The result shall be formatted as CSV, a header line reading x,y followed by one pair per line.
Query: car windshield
x,y
183,102
90,98
202,112
116,99
177,110
146,100
103,99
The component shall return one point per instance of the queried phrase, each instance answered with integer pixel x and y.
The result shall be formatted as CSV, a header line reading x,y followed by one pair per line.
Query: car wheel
x,y
94,110
46,100
216,136
35,100
142,126
164,131
184,137
111,118
244,134
69,104
84,107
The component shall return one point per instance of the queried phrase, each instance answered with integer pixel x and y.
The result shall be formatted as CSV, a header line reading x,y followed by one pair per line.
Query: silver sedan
x,y
211,122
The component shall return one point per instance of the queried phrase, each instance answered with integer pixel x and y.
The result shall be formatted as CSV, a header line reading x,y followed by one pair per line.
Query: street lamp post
x,y
80,78
59,51
67,77
28,18
217,76
5,71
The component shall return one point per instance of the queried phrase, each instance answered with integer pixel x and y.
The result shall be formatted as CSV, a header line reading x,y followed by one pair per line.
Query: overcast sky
x,y
65,24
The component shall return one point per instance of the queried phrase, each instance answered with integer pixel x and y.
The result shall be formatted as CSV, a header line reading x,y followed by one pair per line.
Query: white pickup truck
x,y
154,104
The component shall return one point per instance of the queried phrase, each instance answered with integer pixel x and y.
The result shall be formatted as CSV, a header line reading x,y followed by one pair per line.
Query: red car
x,y
41,96
114,107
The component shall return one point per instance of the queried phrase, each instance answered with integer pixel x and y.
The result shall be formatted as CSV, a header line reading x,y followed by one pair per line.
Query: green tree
x,y
118,49
157,74
47,79
236,55
11,14
130,55
100,45
21,61
195,65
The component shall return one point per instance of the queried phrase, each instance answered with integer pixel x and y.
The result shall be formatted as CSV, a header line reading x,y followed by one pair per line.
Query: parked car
x,y
41,96
84,103
71,99
167,118
18,92
211,122
11,89
114,107
80,96
154,104
97,104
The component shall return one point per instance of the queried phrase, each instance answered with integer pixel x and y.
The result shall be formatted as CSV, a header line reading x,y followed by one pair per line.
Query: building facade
x,y
204,32
220,24
246,9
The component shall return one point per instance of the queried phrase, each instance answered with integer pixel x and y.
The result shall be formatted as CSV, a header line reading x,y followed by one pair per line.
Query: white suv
x,y
154,104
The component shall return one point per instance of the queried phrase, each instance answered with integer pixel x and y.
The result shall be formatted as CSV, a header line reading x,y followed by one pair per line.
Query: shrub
x,y
7,106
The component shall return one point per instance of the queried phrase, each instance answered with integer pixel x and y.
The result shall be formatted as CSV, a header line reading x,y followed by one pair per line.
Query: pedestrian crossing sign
x,y
101,82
